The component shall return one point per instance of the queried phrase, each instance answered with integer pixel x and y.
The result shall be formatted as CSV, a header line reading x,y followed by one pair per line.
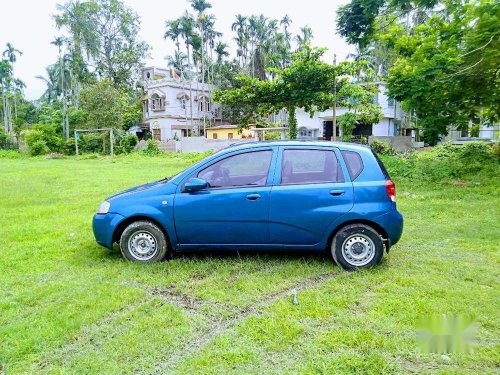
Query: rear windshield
x,y
354,163
381,165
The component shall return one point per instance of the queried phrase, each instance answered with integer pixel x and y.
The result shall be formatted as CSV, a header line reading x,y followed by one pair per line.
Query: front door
x,y
234,209
308,196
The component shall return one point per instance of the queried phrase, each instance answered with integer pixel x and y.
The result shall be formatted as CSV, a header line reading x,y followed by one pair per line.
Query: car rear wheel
x,y
143,242
357,246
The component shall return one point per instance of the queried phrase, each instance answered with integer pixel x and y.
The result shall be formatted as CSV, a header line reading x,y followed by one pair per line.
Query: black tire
x,y
357,246
144,242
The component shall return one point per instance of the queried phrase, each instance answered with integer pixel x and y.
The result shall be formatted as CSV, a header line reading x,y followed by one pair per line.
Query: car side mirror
x,y
195,184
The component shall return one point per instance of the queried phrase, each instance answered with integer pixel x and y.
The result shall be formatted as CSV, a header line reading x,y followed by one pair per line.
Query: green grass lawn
x,y
68,305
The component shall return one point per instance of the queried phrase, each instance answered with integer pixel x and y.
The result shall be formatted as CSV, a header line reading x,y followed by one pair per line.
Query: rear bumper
x,y
104,226
392,222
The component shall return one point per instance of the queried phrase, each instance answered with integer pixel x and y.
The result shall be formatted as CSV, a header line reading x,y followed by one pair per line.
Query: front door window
x,y
248,169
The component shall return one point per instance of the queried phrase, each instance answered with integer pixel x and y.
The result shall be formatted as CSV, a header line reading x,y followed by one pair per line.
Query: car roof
x,y
340,145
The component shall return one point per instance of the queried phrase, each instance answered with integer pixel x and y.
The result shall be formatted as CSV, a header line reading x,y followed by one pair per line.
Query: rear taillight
x,y
390,188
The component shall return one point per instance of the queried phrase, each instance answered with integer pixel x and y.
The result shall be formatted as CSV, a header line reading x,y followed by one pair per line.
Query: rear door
x,y
311,189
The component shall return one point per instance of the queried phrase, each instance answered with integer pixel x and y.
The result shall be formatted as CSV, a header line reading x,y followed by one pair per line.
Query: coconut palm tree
x,y
203,22
187,33
178,61
10,53
220,50
59,42
5,81
304,37
241,28
52,82
173,32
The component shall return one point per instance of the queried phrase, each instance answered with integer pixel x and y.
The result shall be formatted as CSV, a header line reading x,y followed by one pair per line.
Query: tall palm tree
x,y
10,53
286,21
178,61
221,51
59,42
5,80
304,37
241,28
203,22
52,82
173,31
285,50
187,33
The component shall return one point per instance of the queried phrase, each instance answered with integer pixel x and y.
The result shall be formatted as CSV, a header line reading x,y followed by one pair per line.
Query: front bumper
x,y
104,226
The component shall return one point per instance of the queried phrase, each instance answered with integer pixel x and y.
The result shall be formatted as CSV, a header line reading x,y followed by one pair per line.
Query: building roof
x,y
222,127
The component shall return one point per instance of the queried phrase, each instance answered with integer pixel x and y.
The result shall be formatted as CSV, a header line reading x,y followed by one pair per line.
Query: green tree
x,y
358,99
307,83
105,35
447,69
103,104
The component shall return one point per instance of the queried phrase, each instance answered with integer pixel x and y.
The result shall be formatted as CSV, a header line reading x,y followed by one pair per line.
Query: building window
x,y
229,135
305,133
183,99
214,136
390,102
204,104
157,103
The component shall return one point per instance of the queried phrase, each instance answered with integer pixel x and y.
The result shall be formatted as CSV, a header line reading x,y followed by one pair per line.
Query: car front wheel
x,y
143,242
357,246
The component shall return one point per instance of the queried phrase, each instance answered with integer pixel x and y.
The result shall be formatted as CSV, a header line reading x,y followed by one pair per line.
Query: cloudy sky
x,y
30,27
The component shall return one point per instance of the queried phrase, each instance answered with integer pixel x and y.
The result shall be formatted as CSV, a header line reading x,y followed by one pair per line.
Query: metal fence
x,y
7,145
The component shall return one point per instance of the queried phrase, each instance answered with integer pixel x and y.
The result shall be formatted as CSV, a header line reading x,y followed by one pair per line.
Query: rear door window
x,y
382,166
310,167
354,163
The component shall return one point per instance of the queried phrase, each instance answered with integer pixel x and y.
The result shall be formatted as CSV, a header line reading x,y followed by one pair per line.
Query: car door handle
x,y
336,193
253,197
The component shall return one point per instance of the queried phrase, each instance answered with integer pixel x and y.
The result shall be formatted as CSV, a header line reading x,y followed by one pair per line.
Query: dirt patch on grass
x,y
219,327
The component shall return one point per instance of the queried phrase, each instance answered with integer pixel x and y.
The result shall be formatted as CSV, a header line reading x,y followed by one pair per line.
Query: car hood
x,y
141,188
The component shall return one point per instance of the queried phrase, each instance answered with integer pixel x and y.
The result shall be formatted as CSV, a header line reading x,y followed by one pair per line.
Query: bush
x,y
91,143
151,149
40,134
127,142
3,136
496,151
39,147
382,148
445,162
271,135
68,147
10,154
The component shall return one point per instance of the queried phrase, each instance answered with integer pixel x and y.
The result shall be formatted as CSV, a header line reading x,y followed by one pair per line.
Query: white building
x,y
175,108
490,132
320,125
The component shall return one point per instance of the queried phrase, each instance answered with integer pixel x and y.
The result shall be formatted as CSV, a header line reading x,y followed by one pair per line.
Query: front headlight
x,y
104,208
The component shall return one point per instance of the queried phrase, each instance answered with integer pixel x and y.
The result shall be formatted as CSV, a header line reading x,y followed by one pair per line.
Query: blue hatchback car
x,y
284,195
